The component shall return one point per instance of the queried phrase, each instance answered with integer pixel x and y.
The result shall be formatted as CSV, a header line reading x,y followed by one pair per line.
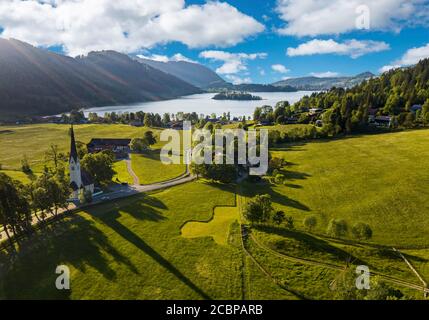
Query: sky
x,y
244,41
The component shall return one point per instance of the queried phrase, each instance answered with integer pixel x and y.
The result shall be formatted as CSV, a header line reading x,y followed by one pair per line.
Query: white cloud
x,y
238,80
154,57
127,26
411,57
321,17
279,68
232,62
414,55
388,68
353,48
163,58
181,57
327,74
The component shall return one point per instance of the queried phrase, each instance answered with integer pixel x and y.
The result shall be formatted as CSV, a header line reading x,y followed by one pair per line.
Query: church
x,y
80,180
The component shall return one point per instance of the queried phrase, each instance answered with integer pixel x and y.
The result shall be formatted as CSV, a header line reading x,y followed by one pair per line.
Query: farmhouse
x,y
121,147
383,121
416,107
80,180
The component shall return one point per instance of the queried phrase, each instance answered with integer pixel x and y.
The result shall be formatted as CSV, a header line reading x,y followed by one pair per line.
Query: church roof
x,y
73,149
109,142
74,186
86,178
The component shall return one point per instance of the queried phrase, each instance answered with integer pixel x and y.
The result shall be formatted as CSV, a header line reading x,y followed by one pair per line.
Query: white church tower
x,y
74,165
79,180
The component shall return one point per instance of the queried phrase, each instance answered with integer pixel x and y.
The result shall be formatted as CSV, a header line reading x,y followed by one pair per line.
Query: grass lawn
x,y
35,140
302,245
380,179
19,175
122,172
286,127
149,168
218,227
131,249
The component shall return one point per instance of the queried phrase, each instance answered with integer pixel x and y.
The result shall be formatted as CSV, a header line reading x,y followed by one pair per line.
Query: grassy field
x,y
150,169
35,140
122,174
19,175
218,227
132,249
185,243
378,179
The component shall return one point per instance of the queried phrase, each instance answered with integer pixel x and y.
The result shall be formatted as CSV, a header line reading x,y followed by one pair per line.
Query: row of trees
x,y
260,210
145,118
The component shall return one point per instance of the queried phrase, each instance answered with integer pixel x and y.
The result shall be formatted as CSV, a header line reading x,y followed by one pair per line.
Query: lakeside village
x,y
265,115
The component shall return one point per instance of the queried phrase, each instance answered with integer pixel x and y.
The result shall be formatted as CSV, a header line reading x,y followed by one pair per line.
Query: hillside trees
x,y
391,94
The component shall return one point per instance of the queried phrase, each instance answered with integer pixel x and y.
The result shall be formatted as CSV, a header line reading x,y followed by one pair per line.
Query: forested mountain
x,y
401,94
317,84
35,81
193,73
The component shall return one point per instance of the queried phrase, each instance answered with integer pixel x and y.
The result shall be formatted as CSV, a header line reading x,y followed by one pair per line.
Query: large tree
x,y
15,214
100,167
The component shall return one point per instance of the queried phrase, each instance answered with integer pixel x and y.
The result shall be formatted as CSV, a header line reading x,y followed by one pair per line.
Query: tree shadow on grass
x,y
313,243
111,220
75,242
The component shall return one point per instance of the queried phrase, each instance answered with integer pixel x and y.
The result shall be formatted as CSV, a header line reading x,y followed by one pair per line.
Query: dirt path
x,y
136,180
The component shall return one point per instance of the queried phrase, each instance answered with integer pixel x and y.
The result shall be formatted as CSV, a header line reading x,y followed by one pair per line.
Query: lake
x,y
204,104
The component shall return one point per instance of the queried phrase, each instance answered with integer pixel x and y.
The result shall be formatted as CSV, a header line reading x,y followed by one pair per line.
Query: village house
x,y
120,147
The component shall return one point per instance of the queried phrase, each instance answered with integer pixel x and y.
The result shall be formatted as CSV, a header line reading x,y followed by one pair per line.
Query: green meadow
x,y
132,249
186,243
380,179
149,169
33,141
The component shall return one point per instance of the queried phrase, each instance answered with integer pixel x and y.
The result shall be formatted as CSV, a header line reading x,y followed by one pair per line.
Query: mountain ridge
x,y
312,83
194,73
38,82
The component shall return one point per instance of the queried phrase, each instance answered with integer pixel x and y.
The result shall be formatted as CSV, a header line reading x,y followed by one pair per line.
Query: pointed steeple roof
x,y
73,149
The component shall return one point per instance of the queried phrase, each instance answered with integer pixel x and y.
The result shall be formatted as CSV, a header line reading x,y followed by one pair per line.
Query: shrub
x,y
310,222
259,209
279,217
25,166
362,231
279,178
337,228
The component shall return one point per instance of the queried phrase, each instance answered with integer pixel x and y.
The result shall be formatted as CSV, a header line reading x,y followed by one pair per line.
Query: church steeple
x,y
74,163
73,149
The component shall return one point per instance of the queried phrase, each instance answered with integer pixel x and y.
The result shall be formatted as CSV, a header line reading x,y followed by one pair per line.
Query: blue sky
x,y
244,41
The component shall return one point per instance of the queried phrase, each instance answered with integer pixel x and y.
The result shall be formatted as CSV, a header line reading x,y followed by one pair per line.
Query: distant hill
x,y
35,81
251,87
317,84
193,73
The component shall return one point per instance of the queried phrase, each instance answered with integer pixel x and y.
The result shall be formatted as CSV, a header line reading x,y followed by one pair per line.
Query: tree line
x,y
48,193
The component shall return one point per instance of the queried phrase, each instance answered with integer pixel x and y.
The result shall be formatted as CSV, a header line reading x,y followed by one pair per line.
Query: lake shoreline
x,y
203,104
